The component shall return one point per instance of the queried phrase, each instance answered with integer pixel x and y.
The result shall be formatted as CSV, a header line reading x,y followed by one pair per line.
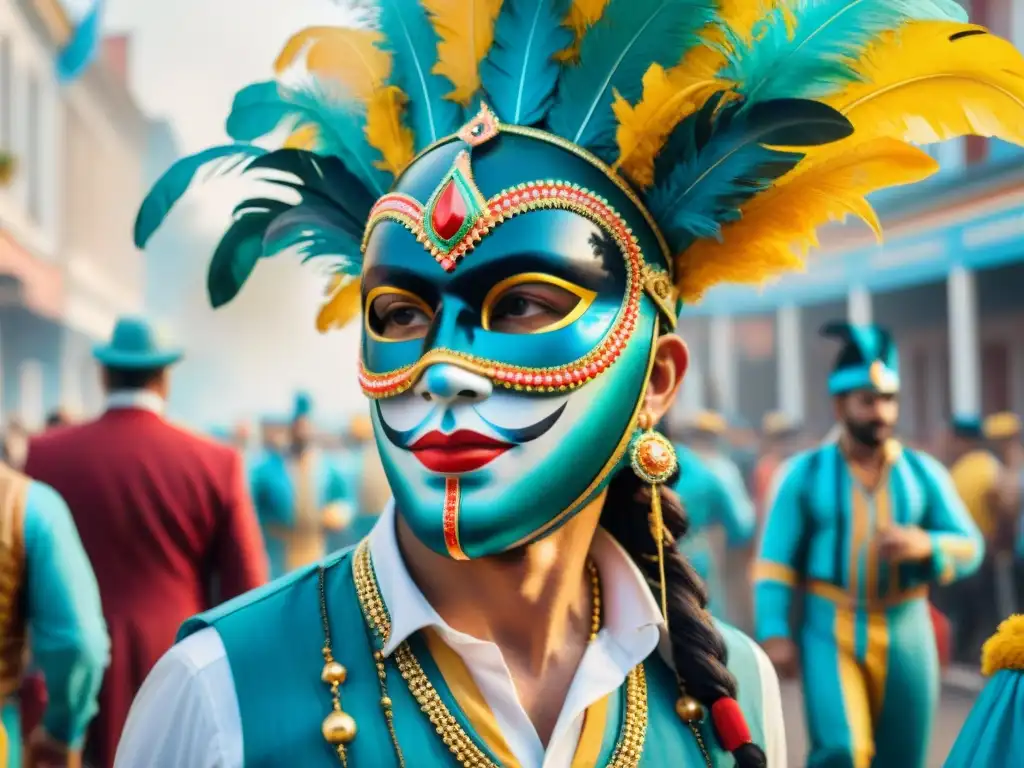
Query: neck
x,y
488,598
860,453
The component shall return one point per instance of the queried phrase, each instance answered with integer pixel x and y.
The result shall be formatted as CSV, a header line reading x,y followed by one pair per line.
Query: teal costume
x,y
867,645
514,196
280,706
993,736
708,503
49,601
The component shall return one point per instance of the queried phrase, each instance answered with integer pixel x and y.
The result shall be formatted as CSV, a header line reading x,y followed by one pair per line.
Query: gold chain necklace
x,y
339,728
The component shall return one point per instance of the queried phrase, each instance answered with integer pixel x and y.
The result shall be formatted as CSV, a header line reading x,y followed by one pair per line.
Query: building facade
x,y
948,280
67,266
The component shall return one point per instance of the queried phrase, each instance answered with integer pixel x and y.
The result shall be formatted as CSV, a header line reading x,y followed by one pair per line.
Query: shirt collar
x,y
629,606
139,399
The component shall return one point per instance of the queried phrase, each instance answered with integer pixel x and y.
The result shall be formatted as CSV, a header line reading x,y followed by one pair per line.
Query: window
x,y
33,155
6,95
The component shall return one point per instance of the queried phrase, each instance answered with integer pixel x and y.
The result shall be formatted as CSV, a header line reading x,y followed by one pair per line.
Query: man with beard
x,y
864,525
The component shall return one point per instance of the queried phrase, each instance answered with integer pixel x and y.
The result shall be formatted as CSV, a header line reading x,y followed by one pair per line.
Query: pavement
x,y
958,694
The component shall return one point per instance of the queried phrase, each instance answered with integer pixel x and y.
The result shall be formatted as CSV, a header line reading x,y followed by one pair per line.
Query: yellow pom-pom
x,y
1005,649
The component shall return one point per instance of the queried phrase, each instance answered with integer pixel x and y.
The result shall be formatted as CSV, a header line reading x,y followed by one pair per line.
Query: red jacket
x,y
166,519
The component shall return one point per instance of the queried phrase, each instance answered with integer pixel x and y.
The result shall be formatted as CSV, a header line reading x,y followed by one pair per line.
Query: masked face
x,y
516,374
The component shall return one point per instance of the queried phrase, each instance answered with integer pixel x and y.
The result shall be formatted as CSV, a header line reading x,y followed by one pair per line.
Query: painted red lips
x,y
461,451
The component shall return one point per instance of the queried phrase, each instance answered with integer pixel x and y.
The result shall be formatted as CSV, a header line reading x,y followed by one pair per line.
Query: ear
x,y
671,360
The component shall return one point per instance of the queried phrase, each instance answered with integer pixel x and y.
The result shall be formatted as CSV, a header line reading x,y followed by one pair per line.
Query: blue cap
x,y
135,345
303,406
868,359
969,427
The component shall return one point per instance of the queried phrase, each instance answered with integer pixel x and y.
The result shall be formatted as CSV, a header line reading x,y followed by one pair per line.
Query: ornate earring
x,y
653,458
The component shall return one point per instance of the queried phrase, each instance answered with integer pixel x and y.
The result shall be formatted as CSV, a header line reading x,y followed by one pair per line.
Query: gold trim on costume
x,y
591,742
585,299
841,597
766,570
390,290
854,690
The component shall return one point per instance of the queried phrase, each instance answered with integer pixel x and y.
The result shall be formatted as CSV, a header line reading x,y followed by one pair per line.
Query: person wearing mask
x,y
970,603
50,612
300,496
164,515
863,526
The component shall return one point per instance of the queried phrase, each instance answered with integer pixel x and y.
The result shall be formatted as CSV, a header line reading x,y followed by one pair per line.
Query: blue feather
x,y
258,109
309,229
614,54
520,73
818,57
413,44
240,249
724,161
176,180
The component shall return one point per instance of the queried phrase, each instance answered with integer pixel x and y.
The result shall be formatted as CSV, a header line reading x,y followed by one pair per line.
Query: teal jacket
x,y
821,530
282,700
63,616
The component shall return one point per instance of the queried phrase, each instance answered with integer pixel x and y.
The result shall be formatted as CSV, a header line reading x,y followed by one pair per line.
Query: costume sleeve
x,y
240,559
186,713
957,543
736,512
69,641
776,569
992,736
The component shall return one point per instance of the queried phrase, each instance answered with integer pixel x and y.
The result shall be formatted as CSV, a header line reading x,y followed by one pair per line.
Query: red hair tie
x,y
730,724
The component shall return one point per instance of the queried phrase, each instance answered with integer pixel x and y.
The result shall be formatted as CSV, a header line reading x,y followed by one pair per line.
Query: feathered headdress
x,y
742,125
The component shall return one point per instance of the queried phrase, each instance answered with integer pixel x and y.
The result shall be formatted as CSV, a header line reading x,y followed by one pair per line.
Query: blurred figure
x,y
300,496
15,444
59,418
970,603
863,526
163,514
49,610
369,491
778,437
1003,431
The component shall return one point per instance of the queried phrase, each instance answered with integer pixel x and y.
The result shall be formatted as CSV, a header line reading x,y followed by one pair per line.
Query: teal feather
x,y
413,42
614,55
257,110
723,159
170,187
310,230
818,58
240,249
519,73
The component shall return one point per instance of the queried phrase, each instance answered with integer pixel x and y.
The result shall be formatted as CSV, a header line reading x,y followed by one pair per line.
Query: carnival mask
x,y
506,377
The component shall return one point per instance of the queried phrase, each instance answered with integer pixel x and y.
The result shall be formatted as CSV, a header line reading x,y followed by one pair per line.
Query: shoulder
x,y
1005,649
250,608
44,500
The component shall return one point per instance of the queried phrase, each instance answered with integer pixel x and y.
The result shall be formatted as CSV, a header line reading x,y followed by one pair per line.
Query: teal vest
x,y
273,637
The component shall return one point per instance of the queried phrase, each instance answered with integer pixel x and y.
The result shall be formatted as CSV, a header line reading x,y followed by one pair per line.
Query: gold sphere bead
x,y
385,701
689,709
339,728
333,672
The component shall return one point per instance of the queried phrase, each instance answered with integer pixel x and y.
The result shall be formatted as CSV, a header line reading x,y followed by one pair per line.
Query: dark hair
x,y
698,649
131,378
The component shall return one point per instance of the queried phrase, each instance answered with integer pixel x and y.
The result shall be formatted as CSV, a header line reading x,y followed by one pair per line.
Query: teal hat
x,y
969,427
867,360
135,345
303,406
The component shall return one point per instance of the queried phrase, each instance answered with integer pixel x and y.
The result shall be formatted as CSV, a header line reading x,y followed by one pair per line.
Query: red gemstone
x,y
449,212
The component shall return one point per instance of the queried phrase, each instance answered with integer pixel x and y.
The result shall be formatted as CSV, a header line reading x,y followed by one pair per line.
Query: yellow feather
x,y
919,86
465,29
780,225
302,138
1005,649
644,129
386,132
342,304
583,14
349,56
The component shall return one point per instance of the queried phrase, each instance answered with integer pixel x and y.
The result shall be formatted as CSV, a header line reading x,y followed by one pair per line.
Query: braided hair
x,y
698,649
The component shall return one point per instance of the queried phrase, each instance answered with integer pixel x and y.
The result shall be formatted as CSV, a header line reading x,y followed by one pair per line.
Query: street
x,y
952,713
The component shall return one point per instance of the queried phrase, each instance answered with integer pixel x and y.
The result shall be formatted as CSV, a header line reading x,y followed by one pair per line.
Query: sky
x,y
188,58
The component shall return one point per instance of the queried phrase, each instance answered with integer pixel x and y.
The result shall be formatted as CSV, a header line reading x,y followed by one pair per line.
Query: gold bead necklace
x,y
339,729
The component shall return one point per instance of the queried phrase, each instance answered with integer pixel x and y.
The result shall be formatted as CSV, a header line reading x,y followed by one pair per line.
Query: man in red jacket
x,y
165,517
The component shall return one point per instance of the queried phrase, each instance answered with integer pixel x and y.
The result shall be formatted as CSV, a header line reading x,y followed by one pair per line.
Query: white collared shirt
x,y
142,399
186,715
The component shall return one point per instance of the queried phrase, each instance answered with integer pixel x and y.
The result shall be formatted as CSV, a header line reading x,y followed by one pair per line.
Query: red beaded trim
x,y
504,206
450,521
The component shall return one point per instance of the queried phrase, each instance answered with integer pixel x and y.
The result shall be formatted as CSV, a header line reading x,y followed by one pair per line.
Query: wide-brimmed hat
x,y
135,345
